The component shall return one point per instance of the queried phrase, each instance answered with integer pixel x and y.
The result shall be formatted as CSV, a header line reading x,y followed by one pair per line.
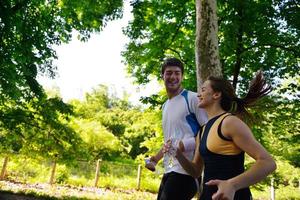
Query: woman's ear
x,y
217,95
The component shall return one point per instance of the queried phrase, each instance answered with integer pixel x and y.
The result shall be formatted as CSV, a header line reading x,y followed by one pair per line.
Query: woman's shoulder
x,y
232,123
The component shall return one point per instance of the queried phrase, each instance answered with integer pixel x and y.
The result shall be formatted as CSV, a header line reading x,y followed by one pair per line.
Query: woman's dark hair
x,y
231,103
172,62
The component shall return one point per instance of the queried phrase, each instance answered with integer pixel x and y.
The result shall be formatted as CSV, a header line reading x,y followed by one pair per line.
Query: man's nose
x,y
173,75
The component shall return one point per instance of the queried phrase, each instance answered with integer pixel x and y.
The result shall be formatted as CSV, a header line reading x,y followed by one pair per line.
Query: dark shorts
x,y
177,186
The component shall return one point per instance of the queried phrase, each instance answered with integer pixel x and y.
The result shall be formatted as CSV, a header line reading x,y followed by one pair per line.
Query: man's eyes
x,y
170,73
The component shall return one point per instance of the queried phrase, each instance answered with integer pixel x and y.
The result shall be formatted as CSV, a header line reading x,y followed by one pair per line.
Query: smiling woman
x,y
220,151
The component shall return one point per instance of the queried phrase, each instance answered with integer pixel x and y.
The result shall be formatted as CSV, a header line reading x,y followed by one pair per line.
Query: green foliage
x,y
27,170
278,129
159,29
29,121
281,193
252,35
122,175
100,143
39,128
119,127
62,174
30,29
114,120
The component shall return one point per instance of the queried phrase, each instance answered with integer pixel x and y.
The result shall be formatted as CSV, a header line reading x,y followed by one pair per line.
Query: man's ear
x,y
217,95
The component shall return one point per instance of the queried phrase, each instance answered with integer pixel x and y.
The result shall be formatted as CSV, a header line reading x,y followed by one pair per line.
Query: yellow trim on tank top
x,y
218,145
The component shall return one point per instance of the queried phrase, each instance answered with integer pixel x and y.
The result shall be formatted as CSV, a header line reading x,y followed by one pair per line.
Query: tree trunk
x,y
206,47
239,48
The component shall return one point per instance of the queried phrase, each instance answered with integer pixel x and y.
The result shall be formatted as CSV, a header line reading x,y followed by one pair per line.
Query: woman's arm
x,y
242,137
194,168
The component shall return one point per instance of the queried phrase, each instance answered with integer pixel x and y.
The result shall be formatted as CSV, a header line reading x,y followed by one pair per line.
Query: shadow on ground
x,y
5,195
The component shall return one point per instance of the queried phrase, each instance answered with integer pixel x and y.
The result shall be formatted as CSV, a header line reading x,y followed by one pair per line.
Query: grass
x,y
116,181
281,193
112,175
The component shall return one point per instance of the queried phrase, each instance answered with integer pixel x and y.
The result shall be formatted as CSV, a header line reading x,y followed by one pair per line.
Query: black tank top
x,y
218,166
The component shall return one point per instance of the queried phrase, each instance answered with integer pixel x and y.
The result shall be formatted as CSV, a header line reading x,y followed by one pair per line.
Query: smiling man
x,y
181,120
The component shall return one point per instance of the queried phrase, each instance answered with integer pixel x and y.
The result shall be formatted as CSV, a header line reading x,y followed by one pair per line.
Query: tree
x,y
160,29
120,128
206,46
99,141
39,128
252,35
30,28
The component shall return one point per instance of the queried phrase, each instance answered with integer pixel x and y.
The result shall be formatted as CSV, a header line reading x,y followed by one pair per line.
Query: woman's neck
x,y
214,111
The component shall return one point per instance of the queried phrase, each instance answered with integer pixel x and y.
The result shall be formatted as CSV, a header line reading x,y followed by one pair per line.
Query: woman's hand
x,y
225,190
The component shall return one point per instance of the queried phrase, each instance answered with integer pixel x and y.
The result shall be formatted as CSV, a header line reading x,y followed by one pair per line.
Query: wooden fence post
x,y
272,189
139,177
3,171
97,172
51,181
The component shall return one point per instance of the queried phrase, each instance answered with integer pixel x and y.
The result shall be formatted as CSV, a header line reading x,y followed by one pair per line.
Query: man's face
x,y
172,78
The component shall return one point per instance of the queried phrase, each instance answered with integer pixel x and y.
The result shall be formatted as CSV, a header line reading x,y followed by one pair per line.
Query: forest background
x,y
38,124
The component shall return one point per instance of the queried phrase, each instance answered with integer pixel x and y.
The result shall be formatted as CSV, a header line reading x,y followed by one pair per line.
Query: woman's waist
x,y
223,163
221,173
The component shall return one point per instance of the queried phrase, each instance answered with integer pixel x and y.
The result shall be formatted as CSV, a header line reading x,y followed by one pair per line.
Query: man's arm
x,y
158,156
154,160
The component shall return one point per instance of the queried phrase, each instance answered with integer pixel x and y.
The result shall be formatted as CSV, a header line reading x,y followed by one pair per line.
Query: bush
x,y
62,174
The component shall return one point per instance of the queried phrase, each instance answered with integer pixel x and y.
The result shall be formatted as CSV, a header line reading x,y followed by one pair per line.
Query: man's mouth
x,y
173,83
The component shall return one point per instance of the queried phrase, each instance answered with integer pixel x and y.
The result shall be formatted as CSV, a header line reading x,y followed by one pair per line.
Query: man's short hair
x,y
172,62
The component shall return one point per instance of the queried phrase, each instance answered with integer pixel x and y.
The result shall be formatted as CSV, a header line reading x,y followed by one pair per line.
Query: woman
x,y
224,139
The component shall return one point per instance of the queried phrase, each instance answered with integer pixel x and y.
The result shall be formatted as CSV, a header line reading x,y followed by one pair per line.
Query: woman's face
x,y
205,95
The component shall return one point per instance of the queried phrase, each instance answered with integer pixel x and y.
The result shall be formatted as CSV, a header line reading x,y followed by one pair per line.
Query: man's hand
x,y
150,163
167,146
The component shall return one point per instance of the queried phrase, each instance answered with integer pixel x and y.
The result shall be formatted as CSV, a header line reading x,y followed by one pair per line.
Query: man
x,y
181,118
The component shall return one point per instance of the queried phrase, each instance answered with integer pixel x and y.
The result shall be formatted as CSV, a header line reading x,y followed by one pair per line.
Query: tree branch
x,y
281,46
19,6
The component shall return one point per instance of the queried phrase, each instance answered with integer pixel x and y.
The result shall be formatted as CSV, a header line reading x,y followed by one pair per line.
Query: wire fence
x,y
18,168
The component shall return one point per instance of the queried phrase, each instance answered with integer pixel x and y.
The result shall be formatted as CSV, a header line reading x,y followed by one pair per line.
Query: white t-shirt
x,y
175,125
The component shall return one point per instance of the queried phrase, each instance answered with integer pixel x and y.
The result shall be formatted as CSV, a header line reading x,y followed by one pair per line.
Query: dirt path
x,y
20,191
56,192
